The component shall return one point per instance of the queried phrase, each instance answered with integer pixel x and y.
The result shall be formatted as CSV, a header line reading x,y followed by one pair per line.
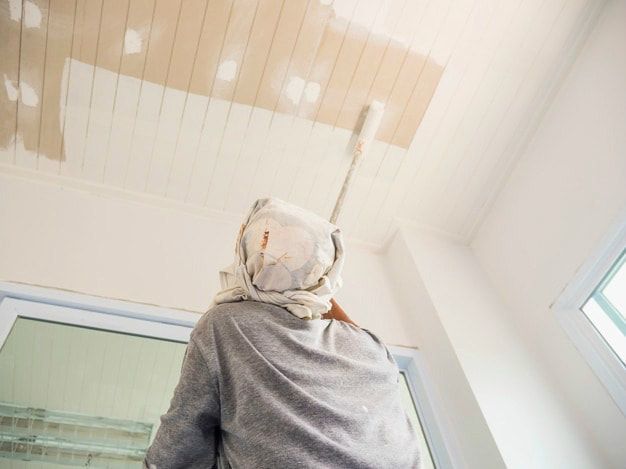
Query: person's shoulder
x,y
218,314
236,312
215,319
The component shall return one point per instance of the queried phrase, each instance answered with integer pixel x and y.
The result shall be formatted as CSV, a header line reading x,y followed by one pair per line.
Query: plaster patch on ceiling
x,y
297,87
294,89
12,91
15,9
133,41
16,144
312,91
28,95
227,70
32,15
8,145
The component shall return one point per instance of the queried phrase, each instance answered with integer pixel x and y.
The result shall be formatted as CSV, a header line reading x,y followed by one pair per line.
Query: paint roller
x,y
367,134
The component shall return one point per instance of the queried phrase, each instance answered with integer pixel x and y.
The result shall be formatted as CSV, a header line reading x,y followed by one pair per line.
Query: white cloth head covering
x,y
285,256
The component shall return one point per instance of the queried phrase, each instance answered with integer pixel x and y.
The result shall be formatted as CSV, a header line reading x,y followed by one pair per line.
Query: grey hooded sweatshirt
x,y
266,389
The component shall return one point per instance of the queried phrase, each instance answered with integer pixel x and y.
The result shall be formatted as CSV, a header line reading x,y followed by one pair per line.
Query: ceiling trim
x,y
113,192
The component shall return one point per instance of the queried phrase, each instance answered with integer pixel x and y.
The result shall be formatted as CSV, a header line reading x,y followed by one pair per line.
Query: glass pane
x,y
72,396
606,308
409,407
615,289
606,327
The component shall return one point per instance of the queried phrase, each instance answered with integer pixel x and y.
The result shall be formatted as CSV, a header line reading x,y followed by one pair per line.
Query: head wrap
x,y
285,256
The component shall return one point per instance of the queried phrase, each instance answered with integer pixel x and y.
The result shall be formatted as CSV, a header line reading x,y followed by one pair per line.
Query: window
x,y
411,410
424,410
83,381
606,308
72,394
592,311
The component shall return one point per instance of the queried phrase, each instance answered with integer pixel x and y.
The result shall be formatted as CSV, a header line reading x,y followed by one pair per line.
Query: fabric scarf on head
x,y
285,256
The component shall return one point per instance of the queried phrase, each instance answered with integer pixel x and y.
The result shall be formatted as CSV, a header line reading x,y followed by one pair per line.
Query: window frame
x,y
568,309
31,302
601,299
436,427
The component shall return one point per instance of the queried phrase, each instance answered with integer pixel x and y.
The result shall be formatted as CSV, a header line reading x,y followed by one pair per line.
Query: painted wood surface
x,y
217,102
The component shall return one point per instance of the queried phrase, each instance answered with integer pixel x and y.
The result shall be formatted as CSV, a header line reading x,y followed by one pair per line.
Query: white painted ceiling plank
x,y
423,39
100,120
143,135
371,202
286,167
333,166
120,141
368,172
75,119
308,165
243,173
260,171
466,98
492,93
164,145
190,131
470,168
386,206
530,98
204,157
228,149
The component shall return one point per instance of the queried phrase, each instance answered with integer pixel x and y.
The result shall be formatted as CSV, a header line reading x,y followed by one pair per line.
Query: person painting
x,y
275,374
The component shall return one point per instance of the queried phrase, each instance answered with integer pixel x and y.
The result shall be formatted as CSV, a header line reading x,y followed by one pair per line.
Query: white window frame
x,y
568,309
25,301
430,412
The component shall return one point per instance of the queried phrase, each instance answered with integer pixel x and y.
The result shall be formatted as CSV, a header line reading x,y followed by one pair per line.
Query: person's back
x,y
272,381
285,393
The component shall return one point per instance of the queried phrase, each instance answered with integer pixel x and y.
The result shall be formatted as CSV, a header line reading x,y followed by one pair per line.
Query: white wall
x,y
469,430
116,246
422,292
528,421
107,246
562,197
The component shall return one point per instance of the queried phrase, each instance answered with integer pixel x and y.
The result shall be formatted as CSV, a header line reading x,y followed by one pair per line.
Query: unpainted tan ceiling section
x,y
160,44
291,53
266,26
297,57
362,88
138,24
10,30
29,75
196,99
301,54
58,48
212,38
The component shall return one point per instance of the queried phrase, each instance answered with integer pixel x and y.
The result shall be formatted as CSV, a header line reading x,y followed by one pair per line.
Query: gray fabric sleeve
x,y
189,430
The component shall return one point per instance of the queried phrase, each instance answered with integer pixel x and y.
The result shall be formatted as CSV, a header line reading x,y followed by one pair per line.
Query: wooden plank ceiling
x,y
217,102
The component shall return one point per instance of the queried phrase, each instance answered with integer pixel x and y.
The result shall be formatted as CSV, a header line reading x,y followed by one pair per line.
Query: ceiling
x,y
213,103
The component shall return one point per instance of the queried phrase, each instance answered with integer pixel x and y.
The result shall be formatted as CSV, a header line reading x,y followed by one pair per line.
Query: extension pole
x,y
368,132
